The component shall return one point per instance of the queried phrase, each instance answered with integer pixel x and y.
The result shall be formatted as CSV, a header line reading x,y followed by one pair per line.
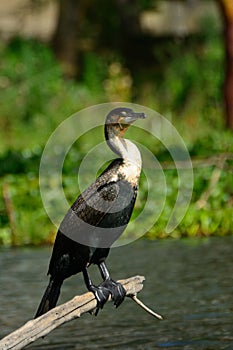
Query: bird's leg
x,y
117,291
101,293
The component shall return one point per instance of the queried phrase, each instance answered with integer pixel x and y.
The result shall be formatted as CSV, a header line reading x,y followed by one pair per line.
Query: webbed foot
x,y
116,289
101,294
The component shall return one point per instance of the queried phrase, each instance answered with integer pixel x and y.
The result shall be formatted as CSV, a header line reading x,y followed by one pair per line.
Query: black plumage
x,y
97,218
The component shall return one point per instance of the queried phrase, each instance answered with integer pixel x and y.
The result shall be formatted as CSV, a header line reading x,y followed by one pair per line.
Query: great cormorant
x,y
97,218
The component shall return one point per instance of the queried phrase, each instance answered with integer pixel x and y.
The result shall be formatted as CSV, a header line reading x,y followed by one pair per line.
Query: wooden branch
x,y
74,308
10,212
202,201
199,163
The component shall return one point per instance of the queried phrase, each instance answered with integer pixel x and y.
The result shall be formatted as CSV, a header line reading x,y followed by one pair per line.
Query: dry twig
x,y
10,212
202,201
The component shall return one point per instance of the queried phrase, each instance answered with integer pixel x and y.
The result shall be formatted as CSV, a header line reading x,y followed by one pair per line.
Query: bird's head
x,y
119,119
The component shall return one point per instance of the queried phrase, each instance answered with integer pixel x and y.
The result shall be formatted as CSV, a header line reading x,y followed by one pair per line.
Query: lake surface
x,y
189,282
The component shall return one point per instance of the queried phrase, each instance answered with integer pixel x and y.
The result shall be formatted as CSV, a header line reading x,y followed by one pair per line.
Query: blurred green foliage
x,y
185,85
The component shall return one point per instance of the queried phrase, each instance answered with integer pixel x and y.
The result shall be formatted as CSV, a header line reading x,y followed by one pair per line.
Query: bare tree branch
x,y
10,212
74,308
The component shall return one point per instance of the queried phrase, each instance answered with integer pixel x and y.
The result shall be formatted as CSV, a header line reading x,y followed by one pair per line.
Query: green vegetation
x,y
185,86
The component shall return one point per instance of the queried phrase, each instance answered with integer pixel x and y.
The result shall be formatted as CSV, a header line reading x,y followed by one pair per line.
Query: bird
x,y
97,218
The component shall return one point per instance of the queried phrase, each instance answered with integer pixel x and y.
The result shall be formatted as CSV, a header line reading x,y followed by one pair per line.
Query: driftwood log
x,y
74,308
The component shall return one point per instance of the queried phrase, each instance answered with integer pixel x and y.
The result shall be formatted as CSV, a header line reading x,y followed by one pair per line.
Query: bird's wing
x,y
106,206
96,219
79,229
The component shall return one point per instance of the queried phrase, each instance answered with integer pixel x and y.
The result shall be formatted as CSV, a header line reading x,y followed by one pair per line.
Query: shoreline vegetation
x,y
35,99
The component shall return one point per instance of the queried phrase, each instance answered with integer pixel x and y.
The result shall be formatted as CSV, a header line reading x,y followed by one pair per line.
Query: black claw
x,y
101,294
116,289
119,295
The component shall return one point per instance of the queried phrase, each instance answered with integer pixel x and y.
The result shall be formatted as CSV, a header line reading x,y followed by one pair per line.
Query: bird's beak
x,y
133,116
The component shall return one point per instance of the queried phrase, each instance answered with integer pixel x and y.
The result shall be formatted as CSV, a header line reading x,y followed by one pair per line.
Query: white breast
x,y
132,163
131,172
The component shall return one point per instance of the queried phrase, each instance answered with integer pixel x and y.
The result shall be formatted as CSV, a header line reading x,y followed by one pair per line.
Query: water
x,y
189,282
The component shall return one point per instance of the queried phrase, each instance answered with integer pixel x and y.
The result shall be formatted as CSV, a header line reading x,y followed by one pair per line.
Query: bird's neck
x,y
126,149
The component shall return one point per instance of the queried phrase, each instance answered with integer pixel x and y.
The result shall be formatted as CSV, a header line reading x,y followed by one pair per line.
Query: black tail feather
x,y
50,297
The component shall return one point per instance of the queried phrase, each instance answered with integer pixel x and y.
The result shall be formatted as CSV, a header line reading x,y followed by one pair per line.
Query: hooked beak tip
x,y
142,115
135,116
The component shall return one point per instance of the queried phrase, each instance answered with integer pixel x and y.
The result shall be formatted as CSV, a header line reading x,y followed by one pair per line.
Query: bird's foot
x,y
116,289
101,294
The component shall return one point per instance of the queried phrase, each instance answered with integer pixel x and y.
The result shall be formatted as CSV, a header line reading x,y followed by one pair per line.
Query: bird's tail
x,y
50,297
